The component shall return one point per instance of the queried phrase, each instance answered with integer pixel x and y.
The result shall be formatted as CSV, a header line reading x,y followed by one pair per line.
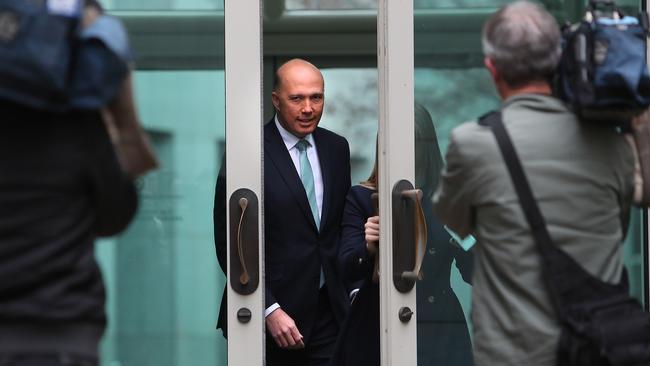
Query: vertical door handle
x,y
409,235
244,242
244,277
420,230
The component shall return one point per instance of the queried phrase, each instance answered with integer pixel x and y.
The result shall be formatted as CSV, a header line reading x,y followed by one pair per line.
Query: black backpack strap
x,y
526,198
528,202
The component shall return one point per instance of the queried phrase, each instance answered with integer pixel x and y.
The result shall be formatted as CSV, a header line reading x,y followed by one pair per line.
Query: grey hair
x,y
523,42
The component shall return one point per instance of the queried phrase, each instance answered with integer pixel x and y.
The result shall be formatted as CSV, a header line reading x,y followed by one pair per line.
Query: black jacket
x,y
60,187
294,249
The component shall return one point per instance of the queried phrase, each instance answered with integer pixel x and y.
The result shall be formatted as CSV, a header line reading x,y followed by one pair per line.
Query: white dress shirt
x,y
290,142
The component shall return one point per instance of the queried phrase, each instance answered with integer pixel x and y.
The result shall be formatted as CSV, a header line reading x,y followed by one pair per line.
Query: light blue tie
x,y
307,178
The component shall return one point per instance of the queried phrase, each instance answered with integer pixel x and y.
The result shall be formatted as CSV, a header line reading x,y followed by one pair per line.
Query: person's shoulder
x,y
472,143
470,132
329,135
360,196
361,190
269,126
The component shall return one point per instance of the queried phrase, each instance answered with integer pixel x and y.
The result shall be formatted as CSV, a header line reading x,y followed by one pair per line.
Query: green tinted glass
x,y
453,87
163,282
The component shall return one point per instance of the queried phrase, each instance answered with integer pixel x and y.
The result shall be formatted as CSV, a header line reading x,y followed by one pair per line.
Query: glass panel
x,y
163,282
429,4
330,4
634,254
451,87
351,111
565,9
444,294
163,4
552,5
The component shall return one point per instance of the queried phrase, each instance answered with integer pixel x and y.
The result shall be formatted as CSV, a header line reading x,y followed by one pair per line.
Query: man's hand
x,y
284,330
372,234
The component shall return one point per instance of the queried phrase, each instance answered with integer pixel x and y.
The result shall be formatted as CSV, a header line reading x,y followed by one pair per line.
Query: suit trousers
x,y
321,344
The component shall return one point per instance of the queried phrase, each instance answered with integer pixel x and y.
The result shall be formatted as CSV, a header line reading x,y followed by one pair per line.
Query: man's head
x,y
92,10
299,97
521,44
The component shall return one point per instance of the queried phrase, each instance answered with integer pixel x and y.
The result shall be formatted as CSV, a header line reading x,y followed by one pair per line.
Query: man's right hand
x,y
284,330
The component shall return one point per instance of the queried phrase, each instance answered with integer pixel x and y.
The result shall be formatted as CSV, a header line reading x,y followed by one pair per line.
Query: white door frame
x,y
396,162
243,60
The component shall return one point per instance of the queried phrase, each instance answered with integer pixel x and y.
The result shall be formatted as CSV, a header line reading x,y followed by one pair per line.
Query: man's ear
x,y
502,86
489,64
276,100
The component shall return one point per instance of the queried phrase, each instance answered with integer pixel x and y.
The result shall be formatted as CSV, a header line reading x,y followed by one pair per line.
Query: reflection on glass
x,y
351,111
449,97
162,276
564,9
552,5
443,336
458,3
454,96
163,4
633,255
330,4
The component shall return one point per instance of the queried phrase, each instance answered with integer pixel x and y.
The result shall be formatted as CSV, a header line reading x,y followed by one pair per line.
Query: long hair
x,y
373,179
428,160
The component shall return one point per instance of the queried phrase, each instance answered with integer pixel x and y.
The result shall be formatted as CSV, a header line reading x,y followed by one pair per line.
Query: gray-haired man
x,y
582,178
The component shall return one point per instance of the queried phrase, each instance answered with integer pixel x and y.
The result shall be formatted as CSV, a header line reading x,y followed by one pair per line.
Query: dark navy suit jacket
x,y
295,249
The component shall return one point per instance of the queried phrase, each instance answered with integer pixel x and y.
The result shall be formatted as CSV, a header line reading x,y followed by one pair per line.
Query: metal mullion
x,y
243,61
396,162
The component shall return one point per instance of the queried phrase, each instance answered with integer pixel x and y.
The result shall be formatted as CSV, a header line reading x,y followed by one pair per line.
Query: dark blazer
x,y
295,249
61,186
443,338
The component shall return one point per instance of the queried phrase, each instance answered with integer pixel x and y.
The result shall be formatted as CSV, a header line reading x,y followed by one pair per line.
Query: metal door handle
x,y
409,235
244,277
244,242
420,230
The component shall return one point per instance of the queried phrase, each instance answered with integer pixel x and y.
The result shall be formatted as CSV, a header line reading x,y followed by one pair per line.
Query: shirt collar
x,y
541,102
290,140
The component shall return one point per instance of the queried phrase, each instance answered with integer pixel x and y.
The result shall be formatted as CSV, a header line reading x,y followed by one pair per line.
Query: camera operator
x,y
581,175
61,186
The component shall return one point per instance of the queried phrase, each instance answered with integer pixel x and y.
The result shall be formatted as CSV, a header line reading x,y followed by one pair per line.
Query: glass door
x,y
164,283
451,86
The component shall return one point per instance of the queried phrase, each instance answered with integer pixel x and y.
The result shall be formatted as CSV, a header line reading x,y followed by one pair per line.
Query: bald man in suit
x,y
306,179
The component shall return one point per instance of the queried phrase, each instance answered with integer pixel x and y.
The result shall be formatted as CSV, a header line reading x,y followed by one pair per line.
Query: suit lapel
x,y
276,151
324,158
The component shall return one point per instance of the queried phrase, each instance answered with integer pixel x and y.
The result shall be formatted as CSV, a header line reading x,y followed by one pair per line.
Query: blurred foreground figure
x,y
581,175
61,186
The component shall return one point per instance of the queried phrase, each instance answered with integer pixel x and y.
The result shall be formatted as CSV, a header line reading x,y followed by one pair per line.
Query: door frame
x,y
396,161
243,75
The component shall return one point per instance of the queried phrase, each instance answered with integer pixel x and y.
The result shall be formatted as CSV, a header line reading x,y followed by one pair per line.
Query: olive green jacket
x,y
582,178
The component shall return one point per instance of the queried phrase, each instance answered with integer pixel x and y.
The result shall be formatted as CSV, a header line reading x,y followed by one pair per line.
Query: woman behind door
x,y
443,338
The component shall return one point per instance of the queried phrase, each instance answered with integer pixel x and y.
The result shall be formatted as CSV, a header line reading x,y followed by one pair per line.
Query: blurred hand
x,y
642,119
372,234
284,330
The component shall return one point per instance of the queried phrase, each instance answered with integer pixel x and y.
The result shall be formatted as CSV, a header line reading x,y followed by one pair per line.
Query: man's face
x,y
299,99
